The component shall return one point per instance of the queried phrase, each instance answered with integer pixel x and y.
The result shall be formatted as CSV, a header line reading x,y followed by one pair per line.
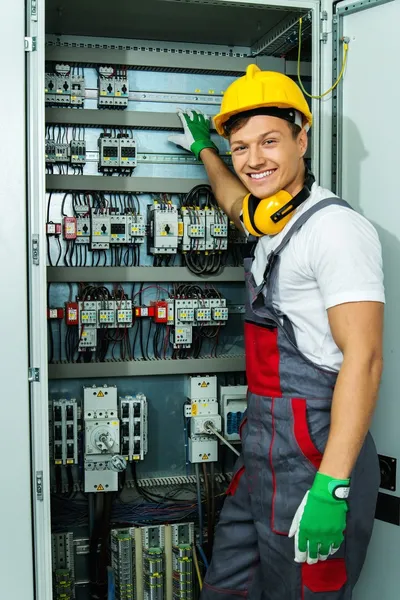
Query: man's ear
x,y
302,141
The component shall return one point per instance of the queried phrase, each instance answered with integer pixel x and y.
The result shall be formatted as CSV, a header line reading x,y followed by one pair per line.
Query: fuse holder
x,y
70,228
72,313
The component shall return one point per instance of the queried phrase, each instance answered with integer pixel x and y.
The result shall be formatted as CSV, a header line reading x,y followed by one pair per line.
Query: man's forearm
x,y
228,189
353,405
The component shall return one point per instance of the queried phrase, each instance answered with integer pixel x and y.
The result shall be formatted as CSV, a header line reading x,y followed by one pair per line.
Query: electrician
x,y
300,508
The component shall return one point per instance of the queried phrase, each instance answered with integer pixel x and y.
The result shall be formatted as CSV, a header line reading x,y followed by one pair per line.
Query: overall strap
x,y
297,225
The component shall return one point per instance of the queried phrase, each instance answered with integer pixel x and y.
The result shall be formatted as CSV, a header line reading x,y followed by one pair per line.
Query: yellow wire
x,y
345,50
196,564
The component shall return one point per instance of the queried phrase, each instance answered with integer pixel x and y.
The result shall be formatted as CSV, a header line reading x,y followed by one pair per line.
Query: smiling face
x,y
267,157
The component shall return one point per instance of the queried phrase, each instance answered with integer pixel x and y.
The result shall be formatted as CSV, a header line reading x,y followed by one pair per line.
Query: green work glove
x,y
320,520
196,132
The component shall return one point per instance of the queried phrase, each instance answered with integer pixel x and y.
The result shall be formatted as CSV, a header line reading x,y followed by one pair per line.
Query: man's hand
x,y
196,132
320,520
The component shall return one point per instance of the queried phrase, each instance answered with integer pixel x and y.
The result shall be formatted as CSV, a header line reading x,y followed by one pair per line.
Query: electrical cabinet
x,y
101,183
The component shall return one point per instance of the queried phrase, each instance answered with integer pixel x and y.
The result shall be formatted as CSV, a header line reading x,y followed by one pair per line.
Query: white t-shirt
x,y
334,258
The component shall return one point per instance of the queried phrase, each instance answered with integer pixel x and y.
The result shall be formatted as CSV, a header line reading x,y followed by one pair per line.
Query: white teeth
x,y
261,175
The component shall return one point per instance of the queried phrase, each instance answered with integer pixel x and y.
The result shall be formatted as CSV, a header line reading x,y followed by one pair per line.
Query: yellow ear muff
x,y
248,209
267,208
257,213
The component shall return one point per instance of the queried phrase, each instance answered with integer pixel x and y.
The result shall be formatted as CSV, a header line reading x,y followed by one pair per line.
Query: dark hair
x,y
237,121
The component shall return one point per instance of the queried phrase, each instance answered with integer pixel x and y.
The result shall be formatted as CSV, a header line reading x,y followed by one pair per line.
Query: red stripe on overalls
x,y
262,360
302,434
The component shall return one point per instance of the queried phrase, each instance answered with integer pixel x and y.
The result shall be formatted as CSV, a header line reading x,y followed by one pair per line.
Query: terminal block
x,y
182,560
123,562
63,565
153,539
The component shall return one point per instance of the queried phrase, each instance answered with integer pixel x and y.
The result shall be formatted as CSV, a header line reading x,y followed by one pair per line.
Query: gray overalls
x,y
284,434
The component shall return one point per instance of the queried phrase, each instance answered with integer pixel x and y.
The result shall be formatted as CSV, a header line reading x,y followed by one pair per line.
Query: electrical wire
x,y
212,429
199,505
196,565
345,51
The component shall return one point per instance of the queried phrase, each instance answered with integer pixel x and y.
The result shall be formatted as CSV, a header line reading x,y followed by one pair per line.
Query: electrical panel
x,y
65,432
203,412
63,565
102,460
233,401
133,418
163,220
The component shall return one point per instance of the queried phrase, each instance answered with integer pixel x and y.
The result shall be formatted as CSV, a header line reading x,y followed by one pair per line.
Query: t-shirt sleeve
x,y
345,257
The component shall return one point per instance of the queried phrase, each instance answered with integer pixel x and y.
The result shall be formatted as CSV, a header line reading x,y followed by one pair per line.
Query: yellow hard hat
x,y
258,89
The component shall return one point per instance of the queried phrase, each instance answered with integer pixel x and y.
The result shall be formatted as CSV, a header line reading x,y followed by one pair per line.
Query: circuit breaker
x,y
163,220
113,91
133,418
101,231
203,411
233,400
65,432
102,460
78,91
87,312
138,229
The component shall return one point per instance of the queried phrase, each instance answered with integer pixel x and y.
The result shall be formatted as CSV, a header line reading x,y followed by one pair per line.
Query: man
x,y
299,513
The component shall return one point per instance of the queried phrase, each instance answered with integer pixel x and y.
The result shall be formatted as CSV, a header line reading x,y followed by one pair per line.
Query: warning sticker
x,y
204,384
100,488
205,457
100,394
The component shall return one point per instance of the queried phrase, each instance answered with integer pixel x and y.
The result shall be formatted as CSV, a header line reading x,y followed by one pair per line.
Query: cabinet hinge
x,y
39,485
323,35
30,44
35,249
33,374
